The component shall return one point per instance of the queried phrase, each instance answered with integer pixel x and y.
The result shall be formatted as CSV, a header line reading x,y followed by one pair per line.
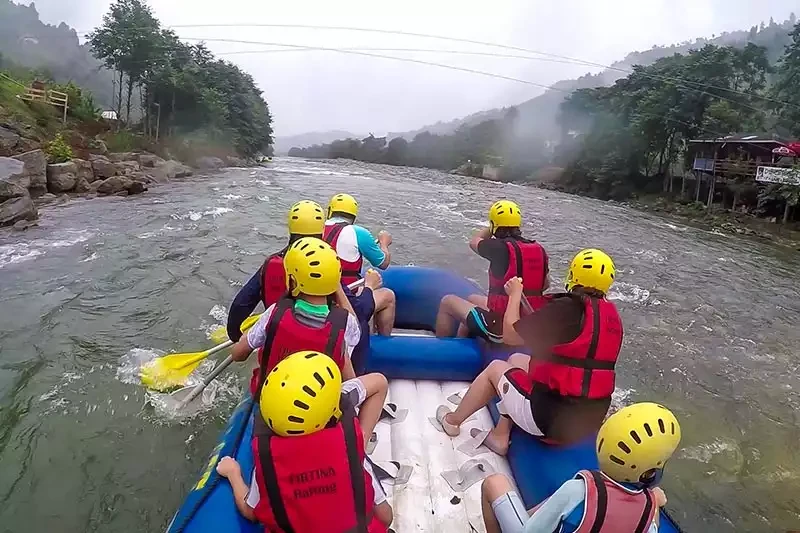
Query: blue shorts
x,y
484,324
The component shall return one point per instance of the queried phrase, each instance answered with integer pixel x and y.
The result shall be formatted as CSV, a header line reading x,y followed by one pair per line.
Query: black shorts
x,y
484,324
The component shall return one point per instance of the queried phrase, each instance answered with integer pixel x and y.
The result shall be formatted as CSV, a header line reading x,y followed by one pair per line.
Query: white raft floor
x,y
427,503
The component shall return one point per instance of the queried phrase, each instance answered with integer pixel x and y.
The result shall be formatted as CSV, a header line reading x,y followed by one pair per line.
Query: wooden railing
x,y
54,98
735,167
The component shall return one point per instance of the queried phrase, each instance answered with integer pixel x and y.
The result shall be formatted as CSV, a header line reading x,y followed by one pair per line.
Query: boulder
x,y
98,146
233,161
93,186
15,209
169,170
121,193
61,177
10,190
142,177
13,170
22,225
126,168
114,185
35,170
118,157
209,163
8,141
85,170
103,168
137,188
82,185
149,160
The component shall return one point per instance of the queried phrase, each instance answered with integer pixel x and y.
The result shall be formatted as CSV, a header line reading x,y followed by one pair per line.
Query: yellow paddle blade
x,y
170,371
221,333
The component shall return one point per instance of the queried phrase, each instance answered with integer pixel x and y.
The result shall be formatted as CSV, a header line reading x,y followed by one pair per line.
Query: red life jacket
x,y
314,482
273,282
611,508
528,260
351,270
286,335
585,367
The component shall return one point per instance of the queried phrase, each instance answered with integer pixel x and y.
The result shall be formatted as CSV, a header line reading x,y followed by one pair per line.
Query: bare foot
x,y
497,443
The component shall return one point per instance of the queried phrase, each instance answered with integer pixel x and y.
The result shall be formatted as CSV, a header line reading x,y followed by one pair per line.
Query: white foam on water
x,y
131,363
674,227
11,254
651,255
217,212
224,389
90,258
262,198
232,197
628,292
704,453
262,181
219,313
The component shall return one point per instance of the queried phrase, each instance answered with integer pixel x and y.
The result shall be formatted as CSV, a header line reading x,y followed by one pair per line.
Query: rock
x,y
15,209
98,146
126,168
13,170
47,197
170,170
233,161
10,190
93,186
137,188
149,160
209,163
121,193
103,168
82,185
64,198
85,170
8,141
114,185
61,177
22,225
35,170
118,157
142,177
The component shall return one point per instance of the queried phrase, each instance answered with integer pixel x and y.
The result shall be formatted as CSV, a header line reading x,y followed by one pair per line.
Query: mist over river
x,y
710,323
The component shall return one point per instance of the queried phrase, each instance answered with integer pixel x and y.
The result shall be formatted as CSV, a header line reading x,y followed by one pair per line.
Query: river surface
x,y
710,320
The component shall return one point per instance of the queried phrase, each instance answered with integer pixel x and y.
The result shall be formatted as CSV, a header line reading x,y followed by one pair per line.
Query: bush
x,y
58,151
122,141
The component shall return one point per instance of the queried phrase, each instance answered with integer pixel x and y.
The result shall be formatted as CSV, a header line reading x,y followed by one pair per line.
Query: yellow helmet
x,y
591,268
312,267
637,439
504,214
306,218
343,203
301,394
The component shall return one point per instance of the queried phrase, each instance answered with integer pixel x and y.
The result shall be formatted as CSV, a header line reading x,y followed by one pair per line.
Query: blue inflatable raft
x,y
423,370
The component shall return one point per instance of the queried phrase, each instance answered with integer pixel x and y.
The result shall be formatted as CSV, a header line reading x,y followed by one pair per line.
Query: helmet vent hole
x,y
602,269
295,217
309,254
301,405
615,459
587,267
330,373
648,430
269,421
295,432
659,463
308,390
635,436
633,467
311,355
319,379
624,447
296,419
313,263
600,446
305,245
315,275
672,426
661,427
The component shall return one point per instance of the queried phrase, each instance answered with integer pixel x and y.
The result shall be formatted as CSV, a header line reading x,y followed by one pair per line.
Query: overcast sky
x,y
317,90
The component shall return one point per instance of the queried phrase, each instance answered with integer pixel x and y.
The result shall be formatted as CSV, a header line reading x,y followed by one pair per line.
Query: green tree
x,y
787,85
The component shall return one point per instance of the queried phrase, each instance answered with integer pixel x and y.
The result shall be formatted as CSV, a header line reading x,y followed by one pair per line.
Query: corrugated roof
x,y
744,138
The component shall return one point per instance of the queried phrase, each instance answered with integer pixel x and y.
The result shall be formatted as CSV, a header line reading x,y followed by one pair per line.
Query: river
x,y
710,324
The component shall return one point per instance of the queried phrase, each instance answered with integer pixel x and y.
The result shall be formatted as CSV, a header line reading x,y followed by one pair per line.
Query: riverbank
x,y
725,221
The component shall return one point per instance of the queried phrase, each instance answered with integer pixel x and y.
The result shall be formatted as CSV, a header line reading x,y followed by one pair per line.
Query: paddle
x,y
220,334
173,370
187,394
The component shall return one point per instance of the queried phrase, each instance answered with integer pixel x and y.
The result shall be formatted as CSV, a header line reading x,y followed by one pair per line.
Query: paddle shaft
x,y
198,390
220,347
526,305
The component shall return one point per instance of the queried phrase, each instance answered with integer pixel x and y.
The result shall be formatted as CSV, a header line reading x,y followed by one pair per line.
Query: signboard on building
x,y
786,176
